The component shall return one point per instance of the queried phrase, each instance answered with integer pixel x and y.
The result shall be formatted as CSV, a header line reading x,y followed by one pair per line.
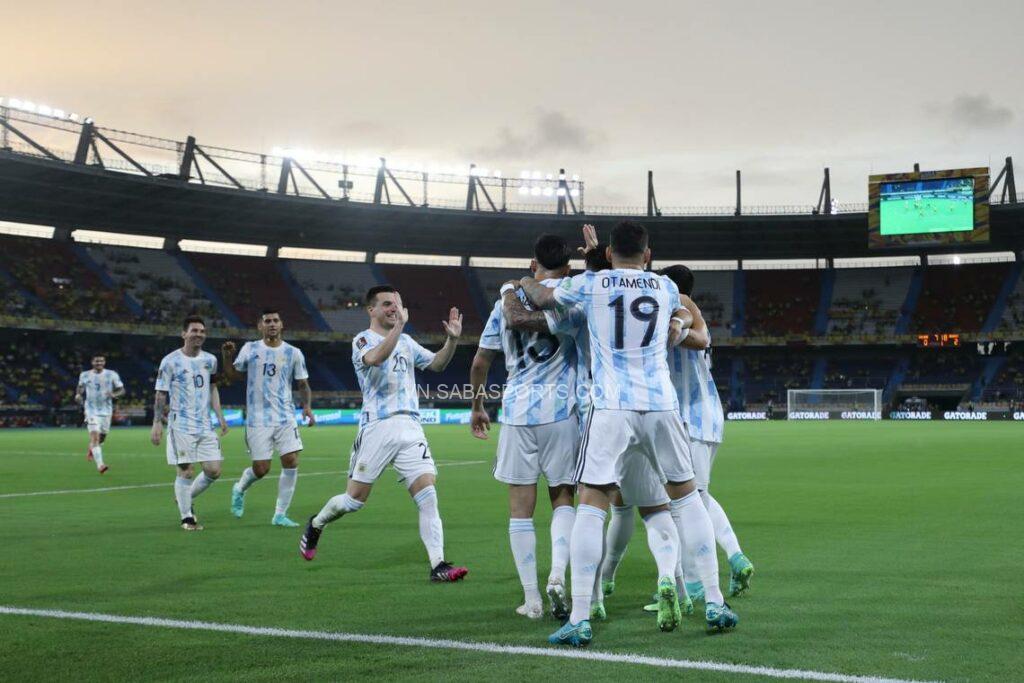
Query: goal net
x,y
847,404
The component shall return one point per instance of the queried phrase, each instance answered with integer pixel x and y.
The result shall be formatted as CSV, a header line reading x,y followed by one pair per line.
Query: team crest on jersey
x,y
361,342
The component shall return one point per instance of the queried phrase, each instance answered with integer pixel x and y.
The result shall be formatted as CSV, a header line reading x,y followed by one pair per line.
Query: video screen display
x,y
917,206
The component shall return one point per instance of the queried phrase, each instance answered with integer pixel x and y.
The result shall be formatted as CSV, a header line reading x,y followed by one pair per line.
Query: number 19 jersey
x,y
627,314
541,367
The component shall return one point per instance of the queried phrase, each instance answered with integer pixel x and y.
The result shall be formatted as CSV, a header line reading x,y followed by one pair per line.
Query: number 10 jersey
x,y
627,313
541,367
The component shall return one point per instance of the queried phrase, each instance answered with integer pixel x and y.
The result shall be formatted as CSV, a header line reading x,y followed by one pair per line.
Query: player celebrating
x,y
272,367
187,375
385,360
632,318
97,389
539,425
701,410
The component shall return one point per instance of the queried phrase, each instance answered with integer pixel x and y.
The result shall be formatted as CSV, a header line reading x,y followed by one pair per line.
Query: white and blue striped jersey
x,y
98,387
573,322
699,404
390,387
628,314
187,380
272,372
541,367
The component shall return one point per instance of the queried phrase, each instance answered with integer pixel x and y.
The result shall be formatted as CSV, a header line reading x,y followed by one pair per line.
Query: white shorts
x,y
612,437
187,448
703,454
261,442
98,423
526,452
641,485
397,440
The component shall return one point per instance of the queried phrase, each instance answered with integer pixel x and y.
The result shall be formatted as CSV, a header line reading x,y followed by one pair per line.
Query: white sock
x,y
183,494
620,531
562,519
247,479
200,484
97,456
698,535
336,507
523,539
663,540
680,577
431,530
724,534
285,489
598,587
585,551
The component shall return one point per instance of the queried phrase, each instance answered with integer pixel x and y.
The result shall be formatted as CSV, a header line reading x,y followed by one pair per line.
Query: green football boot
x,y
740,571
669,614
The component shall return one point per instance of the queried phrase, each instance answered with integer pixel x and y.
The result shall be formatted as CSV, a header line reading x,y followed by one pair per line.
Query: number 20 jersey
x,y
271,374
541,367
389,388
628,313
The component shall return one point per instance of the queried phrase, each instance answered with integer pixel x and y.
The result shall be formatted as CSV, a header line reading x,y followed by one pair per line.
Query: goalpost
x,y
850,404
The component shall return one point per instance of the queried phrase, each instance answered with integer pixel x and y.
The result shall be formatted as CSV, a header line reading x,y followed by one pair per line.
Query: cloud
x,y
977,112
549,131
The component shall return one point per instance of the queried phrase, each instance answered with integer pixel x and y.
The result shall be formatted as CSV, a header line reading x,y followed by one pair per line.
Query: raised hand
x,y
228,348
453,326
403,312
589,239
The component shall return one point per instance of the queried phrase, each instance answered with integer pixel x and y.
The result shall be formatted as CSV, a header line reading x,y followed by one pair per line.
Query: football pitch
x,y
934,214
883,550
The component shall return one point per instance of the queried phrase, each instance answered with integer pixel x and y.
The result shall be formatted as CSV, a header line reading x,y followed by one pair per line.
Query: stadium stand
x,y
336,289
56,277
249,284
782,302
712,292
868,301
155,279
430,291
958,297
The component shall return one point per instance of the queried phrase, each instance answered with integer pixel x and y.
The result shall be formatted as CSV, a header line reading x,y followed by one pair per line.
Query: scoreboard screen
x,y
930,208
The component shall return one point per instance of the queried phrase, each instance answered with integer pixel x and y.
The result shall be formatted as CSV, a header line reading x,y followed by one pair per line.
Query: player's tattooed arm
x,y
698,338
118,392
518,317
306,397
80,394
540,296
452,328
159,404
480,421
215,406
228,373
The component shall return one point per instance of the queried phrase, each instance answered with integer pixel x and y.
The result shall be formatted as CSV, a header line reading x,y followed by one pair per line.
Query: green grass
x,y
907,216
888,549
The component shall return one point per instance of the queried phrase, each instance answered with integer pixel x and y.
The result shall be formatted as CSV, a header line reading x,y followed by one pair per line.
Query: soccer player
x,y
632,318
272,367
97,389
701,410
540,428
187,376
385,361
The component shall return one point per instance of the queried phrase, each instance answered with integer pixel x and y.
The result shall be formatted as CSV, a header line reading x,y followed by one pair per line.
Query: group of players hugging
x,y
609,397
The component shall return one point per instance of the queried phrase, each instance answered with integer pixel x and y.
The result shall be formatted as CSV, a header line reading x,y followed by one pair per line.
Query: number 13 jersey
x,y
272,372
541,367
628,313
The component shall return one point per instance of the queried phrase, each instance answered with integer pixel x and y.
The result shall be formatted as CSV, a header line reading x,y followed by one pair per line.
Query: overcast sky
x,y
608,90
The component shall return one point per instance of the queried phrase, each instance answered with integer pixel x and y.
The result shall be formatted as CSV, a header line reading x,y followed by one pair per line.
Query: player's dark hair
x,y
268,310
682,276
191,319
372,292
629,239
596,259
551,251
98,355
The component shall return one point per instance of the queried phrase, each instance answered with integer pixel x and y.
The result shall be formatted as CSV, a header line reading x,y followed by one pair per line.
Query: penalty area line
x,y
443,644
129,487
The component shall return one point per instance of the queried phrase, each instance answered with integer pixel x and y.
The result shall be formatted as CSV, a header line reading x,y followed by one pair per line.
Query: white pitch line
x,y
105,489
443,644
